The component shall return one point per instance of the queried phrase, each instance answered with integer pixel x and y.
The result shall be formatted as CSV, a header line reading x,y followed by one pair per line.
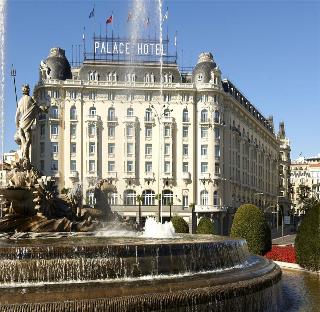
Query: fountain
x,y
70,270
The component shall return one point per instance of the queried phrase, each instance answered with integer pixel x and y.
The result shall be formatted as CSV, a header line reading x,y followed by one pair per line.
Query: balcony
x,y
167,176
167,119
149,175
93,118
186,176
73,174
205,176
149,120
55,173
186,120
130,119
111,175
129,175
208,208
205,122
92,174
112,120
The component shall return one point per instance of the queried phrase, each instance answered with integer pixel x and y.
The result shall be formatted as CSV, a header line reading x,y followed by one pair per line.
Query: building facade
x,y
305,172
192,137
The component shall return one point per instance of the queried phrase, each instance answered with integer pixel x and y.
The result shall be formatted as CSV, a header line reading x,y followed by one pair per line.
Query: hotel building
x,y
191,136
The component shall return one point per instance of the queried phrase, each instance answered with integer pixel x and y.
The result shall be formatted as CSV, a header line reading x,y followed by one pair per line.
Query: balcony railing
x,y
186,175
167,175
149,120
73,174
129,175
205,176
111,175
95,118
130,119
209,208
148,175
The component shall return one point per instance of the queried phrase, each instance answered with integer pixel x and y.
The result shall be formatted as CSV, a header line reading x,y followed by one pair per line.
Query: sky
x,y
269,49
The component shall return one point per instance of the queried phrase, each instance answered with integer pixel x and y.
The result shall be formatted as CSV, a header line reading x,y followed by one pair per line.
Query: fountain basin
x,y
83,273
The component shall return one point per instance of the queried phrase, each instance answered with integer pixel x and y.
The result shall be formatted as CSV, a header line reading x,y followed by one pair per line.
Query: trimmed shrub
x,y
307,242
180,225
205,226
249,223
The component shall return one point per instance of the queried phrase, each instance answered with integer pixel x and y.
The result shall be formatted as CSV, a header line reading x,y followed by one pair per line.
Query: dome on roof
x,y
56,66
202,71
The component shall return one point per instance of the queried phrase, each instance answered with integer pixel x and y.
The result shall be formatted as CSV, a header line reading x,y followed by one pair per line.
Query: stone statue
x,y
26,114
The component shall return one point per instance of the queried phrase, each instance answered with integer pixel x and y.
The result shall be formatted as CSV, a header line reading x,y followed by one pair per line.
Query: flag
x,y
175,39
91,13
147,21
165,17
129,17
109,19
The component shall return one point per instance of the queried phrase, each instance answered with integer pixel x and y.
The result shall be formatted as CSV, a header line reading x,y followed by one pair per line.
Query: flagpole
x,y
84,43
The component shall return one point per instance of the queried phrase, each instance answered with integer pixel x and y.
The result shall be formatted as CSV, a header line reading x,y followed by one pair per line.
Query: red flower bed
x,y
282,253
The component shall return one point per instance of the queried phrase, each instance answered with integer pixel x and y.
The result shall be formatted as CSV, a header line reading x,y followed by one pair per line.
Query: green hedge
x,y
307,242
249,223
205,226
180,225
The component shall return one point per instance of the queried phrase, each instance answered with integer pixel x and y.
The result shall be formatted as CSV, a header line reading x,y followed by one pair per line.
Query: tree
x,y
249,223
305,198
205,226
180,225
307,242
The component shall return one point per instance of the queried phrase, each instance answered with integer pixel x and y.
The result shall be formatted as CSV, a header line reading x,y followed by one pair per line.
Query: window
x,y
217,169
129,130
148,149
111,114
167,149
55,94
130,111
204,167
92,111
54,112
204,150
204,115
73,130
129,197
185,97
54,147
73,165
92,95
148,197
167,131
217,133
112,198
129,166
167,197
42,146
129,149
130,97
111,166
148,166
217,150
148,132
166,97
185,115
73,95
147,77
204,198
216,198
148,96
204,132
42,164
73,113
54,129
216,116
91,198
185,132
148,115
73,148
167,167
185,201
42,130
92,129
54,165
111,148
199,77
111,131
92,147
185,150
185,167
167,112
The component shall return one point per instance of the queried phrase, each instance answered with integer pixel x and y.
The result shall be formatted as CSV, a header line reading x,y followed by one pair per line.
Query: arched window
x,y
109,77
130,111
54,112
115,76
92,129
133,77
216,199
167,197
204,198
129,197
204,115
92,111
73,113
147,78
216,116
111,114
148,115
96,76
148,197
166,112
185,115
170,78
152,78
91,198
113,198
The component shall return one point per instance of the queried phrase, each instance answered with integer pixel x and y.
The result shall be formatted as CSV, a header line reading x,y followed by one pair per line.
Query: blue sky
x,y
269,49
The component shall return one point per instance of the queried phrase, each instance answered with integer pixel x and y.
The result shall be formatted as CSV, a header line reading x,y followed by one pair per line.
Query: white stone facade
x,y
202,143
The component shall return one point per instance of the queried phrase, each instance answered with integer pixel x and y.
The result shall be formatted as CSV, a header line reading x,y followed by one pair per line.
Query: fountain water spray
x,y
2,68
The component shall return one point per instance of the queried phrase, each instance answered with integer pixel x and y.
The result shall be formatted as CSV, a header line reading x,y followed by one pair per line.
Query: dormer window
x,y
200,77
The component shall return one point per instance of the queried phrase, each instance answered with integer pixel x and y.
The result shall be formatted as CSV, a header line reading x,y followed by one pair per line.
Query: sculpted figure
x,y
26,114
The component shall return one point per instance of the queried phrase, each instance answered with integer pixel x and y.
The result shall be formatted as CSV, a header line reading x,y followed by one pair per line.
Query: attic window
x,y
200,77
